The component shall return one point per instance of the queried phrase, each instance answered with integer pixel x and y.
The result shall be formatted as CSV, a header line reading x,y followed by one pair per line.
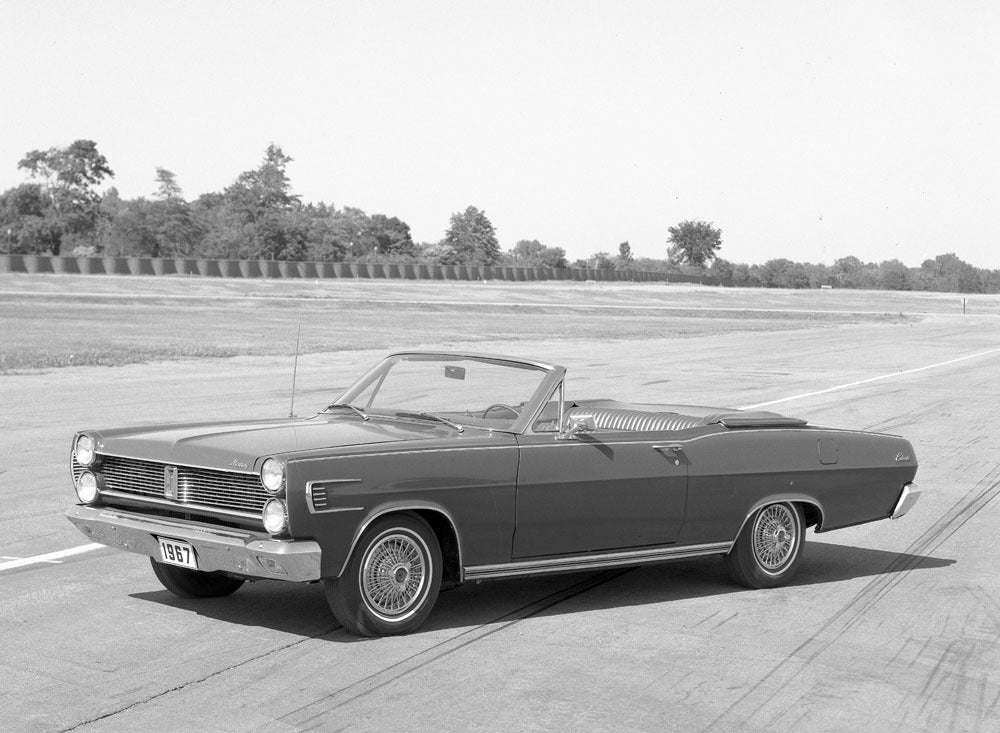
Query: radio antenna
x,y
295,370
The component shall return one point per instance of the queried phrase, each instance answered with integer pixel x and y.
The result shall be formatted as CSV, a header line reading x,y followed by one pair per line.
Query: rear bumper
x,y
907,498
217,548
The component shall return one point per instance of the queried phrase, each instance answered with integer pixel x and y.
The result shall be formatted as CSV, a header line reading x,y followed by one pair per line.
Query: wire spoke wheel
x,y
769,547
774,537
391,580
394,574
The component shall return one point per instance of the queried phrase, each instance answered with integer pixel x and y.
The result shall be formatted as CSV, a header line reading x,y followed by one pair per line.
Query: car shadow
x,y
302,609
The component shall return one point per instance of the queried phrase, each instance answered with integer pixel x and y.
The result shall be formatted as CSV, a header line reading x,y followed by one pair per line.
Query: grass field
x,y
53,321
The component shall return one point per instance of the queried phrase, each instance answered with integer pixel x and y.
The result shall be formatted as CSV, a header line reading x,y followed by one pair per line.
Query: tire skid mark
x,y
311,716
782,674
185,685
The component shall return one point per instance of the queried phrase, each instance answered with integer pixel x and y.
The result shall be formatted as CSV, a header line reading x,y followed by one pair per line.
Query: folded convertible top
x,y
614,415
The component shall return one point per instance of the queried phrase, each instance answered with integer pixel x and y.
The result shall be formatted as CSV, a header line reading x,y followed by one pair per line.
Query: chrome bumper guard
x,y
217,548
907,498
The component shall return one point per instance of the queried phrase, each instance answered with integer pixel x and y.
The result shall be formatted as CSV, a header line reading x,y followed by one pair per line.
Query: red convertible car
x,y
438,468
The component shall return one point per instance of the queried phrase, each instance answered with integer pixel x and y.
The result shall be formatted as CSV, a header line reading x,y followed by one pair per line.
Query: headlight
x,y
275,516
272,475
86,487
84,450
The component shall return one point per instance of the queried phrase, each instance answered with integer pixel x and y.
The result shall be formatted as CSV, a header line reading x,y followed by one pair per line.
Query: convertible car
x,y
439,468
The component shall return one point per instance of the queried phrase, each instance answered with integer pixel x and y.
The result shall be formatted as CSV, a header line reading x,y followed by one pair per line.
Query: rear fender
x,y
810,506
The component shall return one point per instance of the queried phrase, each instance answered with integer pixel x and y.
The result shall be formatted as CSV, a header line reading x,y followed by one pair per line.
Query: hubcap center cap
x,y
400,574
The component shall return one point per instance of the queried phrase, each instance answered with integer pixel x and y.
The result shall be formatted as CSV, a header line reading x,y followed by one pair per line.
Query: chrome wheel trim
x,y
775,537
395,572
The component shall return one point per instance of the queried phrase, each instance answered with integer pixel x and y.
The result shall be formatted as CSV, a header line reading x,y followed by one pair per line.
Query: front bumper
x,y
217,548
907,498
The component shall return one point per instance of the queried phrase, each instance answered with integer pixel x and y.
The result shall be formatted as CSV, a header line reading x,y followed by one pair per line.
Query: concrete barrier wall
x,y
269,268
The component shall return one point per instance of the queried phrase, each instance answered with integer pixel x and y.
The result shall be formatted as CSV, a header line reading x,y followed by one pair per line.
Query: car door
x,y
597,491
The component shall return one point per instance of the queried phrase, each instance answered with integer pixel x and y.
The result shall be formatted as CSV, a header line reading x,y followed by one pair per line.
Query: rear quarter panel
x,y
852,477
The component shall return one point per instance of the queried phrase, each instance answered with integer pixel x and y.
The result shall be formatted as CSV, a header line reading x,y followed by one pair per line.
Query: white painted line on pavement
x,y
49,556
872,379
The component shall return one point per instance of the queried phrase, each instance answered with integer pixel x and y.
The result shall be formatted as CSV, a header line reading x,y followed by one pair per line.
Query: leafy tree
x,y
259,207
177,231
894,275
27,221
722,268
391,235
532,253
601,261
127,228
693,243
625,258
324,235
219,227
470,240
949,273
355,227
783,273
648,264
68,177
166,185
527,252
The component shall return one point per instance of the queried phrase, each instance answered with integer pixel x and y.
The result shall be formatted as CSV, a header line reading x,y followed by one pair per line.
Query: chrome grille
x,y
205,487
132,477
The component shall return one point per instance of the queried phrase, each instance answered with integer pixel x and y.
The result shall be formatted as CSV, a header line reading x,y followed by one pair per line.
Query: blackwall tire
x,y
194,583
769,548
391,581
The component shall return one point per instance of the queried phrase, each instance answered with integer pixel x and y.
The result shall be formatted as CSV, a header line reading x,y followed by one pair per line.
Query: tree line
x,y
58,210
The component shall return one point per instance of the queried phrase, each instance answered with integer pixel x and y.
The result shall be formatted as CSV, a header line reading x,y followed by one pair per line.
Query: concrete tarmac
x,y
889,626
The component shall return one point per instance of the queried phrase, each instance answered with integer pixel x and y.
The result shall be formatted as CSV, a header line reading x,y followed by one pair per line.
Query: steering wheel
x,y
501,406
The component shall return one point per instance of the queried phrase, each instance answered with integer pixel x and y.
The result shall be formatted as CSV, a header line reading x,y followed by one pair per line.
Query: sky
x,y
806,130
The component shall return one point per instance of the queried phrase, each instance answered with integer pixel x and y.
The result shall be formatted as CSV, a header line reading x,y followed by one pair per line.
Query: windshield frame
x,y
553,375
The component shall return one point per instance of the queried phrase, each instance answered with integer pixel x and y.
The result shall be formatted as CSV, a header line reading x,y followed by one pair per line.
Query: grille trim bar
x,y
194,508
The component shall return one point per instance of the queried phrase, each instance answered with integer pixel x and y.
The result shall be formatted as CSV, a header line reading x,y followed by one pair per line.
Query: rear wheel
x,y
768,550
194,583
392,580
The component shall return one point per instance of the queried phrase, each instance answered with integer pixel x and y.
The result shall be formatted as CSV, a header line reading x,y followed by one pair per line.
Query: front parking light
x,y
275,516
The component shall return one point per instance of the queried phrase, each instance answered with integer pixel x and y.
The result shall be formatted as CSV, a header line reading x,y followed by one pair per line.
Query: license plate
x,y
175,552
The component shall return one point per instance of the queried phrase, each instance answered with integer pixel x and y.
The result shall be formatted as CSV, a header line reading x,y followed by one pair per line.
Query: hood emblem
x,y
170,482
237,463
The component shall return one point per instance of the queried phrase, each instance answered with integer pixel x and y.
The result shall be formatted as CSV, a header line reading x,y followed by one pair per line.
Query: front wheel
x,y
194,583
768,550
392,580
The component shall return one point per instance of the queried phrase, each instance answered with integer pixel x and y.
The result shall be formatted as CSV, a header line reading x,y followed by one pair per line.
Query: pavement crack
x,y
190,683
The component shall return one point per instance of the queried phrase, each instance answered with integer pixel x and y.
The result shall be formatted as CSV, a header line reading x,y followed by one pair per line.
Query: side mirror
x,y
576,424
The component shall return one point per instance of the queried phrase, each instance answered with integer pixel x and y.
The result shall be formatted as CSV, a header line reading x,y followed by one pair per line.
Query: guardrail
x,y
31,263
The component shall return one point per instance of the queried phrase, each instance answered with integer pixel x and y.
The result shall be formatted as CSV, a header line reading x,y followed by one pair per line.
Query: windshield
x,y
464,390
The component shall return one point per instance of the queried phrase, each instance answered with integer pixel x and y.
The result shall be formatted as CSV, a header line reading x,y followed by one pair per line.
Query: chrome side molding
x,y
592,561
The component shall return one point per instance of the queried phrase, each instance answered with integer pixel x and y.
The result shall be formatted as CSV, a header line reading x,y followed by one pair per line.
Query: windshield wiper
x,y
357,410
432,416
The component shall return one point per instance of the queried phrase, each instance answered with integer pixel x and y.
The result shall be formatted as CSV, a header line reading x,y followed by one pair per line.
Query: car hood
x,y
237,446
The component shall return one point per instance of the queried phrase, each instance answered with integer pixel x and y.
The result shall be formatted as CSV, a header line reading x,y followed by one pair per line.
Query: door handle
x,y
674,451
